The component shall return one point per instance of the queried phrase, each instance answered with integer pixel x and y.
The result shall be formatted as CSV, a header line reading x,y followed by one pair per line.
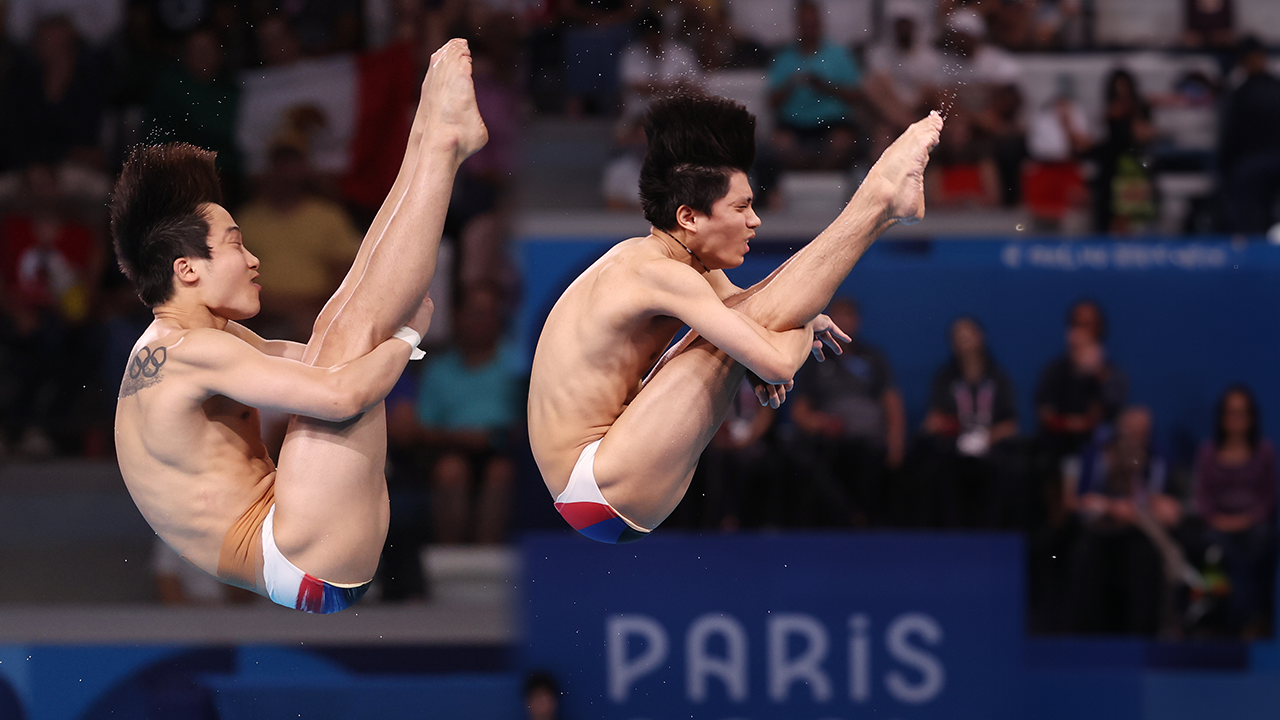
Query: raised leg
x,y
647,458
331,496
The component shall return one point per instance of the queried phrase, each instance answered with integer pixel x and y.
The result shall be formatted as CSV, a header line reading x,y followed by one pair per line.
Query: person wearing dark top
x,y
851,423
972,409
1249,148
1122,198
1235,494
1126,517
55,100
1080,389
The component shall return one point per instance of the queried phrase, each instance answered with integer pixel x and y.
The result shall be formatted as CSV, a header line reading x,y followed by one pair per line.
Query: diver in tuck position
x,y
308,533
617,449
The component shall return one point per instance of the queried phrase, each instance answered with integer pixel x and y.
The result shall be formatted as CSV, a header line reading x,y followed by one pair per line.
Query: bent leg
x,y
331,496
647,458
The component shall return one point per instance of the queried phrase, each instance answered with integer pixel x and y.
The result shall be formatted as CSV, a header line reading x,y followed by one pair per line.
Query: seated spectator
x,y
1064,25
195,100
55,101
720,46
594,34
1127,517
739,477
50,262
1249,150
469,400
1057,138
904,71
1235,494
814,86
1123,192
654,65
1081,389
1208,24
304,242
972,410
983,145
851,422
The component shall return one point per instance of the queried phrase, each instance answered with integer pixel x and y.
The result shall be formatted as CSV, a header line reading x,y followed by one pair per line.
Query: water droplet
x,y
1018,227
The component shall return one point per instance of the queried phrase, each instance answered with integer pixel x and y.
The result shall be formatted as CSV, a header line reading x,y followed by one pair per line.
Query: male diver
x,y
308,532
617,449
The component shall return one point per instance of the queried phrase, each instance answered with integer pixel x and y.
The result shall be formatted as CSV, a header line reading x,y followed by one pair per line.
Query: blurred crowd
x,y
1122,536
308,104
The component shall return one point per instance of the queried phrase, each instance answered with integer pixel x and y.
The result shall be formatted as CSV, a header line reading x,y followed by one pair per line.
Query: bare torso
x,y
599,341
192,462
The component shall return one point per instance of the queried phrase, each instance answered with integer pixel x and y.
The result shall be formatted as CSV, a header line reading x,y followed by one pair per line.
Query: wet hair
x,y
695,144
156,216
1255,422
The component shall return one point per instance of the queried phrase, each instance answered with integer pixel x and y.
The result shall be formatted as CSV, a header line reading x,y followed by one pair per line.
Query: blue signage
x,y
817,627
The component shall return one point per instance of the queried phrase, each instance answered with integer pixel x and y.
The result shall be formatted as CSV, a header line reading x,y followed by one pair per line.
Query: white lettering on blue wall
x,y
932,674
700,664
797,645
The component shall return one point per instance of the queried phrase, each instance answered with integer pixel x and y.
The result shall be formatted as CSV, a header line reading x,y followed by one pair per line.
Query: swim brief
x,y
584,508
288,586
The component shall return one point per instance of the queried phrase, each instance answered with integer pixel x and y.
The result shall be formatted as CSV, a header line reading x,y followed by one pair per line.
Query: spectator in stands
x,y
720,46
542,696
50,261
1235,493
1123,192
1208,24
814,87
325,27
654,65
972,411
9,58
1058,137
478,210
55,101
984,142
195,100
904,70
304,241
469,399
1064,25
1081,389
1249,149
851,421
1127,518
739,470
594,34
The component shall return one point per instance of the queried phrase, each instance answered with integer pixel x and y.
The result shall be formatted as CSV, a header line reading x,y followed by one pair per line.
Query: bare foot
x,y
448,103
899,173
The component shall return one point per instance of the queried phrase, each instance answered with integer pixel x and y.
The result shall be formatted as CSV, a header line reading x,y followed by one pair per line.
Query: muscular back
x,y
600,340
192,461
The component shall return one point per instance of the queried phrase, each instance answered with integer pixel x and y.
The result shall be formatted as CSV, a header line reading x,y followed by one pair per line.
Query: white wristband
x,y
412,337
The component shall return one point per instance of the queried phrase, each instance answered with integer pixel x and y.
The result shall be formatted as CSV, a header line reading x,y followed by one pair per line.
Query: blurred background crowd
x,y
1089,116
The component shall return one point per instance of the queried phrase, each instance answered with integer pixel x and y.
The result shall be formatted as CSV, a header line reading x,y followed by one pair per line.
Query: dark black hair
x,y
541,680
1097,308
695,144
1255,420
156,216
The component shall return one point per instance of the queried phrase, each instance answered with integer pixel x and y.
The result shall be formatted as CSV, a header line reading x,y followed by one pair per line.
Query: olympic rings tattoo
x,y
147,363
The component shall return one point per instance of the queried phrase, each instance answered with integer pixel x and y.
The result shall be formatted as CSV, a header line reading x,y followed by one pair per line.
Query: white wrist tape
x,y
412,337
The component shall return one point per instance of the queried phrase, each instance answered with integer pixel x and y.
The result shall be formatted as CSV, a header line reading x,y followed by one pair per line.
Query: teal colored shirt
x,y
806,107
453,396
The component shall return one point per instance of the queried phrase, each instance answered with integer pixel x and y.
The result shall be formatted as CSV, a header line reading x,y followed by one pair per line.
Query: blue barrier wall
x,y
840,626
1186,318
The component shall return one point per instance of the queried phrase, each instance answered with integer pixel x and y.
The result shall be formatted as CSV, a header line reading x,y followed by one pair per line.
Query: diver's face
x,y
228,283
724,236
